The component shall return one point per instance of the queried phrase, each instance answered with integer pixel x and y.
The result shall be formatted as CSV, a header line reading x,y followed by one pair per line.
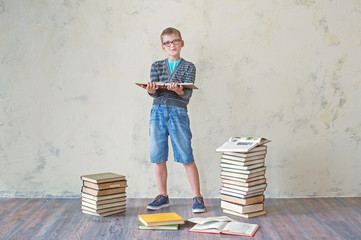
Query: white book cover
x,y
241,144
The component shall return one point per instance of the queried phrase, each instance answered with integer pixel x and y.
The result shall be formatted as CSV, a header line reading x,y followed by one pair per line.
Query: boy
x,y
169,116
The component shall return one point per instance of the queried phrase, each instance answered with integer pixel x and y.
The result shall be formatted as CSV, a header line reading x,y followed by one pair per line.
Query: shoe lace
x,y
158,197
199,200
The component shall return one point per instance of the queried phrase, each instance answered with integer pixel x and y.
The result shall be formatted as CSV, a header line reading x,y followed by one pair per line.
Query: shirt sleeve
x,y
190,77
154,77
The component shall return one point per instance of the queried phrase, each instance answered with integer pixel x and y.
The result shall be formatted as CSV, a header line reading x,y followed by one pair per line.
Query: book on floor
x,y
233,168
141,226
243,180
246,215
163,85
244,184
202,220
103,212
241,144
107,185
241,163
102,202
242,175
246,168
243,201
101,198
242,208
102,177
103,206
246,189
104,192
223,226
158,219
244,156
239,191
241,195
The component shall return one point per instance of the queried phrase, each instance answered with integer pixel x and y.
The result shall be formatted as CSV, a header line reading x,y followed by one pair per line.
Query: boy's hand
x,y
151,87
176,88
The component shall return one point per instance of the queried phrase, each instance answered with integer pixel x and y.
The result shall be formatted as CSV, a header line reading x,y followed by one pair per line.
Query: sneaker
x,y
198,205
159,202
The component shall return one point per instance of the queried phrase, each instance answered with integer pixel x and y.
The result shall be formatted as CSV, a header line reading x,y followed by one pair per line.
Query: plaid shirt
x,y
185,72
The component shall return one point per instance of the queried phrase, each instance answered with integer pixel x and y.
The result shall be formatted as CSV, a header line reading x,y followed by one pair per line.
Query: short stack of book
x,y
243,176
160,221
103,194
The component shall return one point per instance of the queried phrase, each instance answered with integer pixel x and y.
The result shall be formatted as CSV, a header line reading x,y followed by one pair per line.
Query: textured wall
x,y
285,70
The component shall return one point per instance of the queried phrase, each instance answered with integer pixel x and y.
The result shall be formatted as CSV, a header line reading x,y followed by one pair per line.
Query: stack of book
x,y
160,221
103,194
243,176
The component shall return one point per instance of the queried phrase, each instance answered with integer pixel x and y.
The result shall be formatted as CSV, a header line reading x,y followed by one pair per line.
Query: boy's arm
x,y
151,88
154,77
189,78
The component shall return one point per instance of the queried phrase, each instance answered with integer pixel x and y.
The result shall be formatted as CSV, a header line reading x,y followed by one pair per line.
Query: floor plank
x,y
314,218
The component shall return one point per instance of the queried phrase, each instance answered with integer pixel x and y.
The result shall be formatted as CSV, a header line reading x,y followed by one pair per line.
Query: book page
x,y
201,220
214,227
257,140
236,147
240,228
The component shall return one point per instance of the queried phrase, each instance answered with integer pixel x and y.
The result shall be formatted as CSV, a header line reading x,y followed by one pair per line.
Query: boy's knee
x,y
187,165
161,163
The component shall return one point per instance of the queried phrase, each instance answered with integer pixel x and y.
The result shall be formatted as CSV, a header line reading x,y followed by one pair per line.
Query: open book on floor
x,y
163,85
241,144
223,225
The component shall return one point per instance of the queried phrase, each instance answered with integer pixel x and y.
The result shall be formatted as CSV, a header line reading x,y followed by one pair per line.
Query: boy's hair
x,y
168,31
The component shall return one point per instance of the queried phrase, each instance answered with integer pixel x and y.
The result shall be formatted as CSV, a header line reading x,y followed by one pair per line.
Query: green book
x,y
141,226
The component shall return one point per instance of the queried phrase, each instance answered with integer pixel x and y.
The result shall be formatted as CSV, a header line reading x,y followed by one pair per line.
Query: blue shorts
x,y
173,121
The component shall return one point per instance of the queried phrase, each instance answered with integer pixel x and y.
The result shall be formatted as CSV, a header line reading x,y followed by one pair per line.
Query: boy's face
x,y
173,50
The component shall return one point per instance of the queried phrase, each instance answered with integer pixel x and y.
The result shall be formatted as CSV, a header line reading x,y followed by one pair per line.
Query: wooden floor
x,y
316,218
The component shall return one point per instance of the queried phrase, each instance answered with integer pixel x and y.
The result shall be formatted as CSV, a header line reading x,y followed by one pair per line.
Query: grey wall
x,y
285,70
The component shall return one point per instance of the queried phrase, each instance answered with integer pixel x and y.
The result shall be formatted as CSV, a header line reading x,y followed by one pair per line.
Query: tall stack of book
x,y
103,194
243,176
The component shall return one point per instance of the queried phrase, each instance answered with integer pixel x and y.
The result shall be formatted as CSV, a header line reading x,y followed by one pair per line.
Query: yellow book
x,y
159,219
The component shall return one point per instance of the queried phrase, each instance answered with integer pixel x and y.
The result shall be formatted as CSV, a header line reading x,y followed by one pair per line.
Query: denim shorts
x,y
173,121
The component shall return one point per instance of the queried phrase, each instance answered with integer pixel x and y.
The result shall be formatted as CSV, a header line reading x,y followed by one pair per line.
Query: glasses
x,y
175,42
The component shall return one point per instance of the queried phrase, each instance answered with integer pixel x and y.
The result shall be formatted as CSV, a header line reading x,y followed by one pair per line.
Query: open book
x,y
223,225
241,144
163,85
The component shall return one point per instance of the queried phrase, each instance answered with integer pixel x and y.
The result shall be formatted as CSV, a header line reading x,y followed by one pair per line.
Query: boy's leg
x,y
181,136
158,154
193,178
162,200
161,175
